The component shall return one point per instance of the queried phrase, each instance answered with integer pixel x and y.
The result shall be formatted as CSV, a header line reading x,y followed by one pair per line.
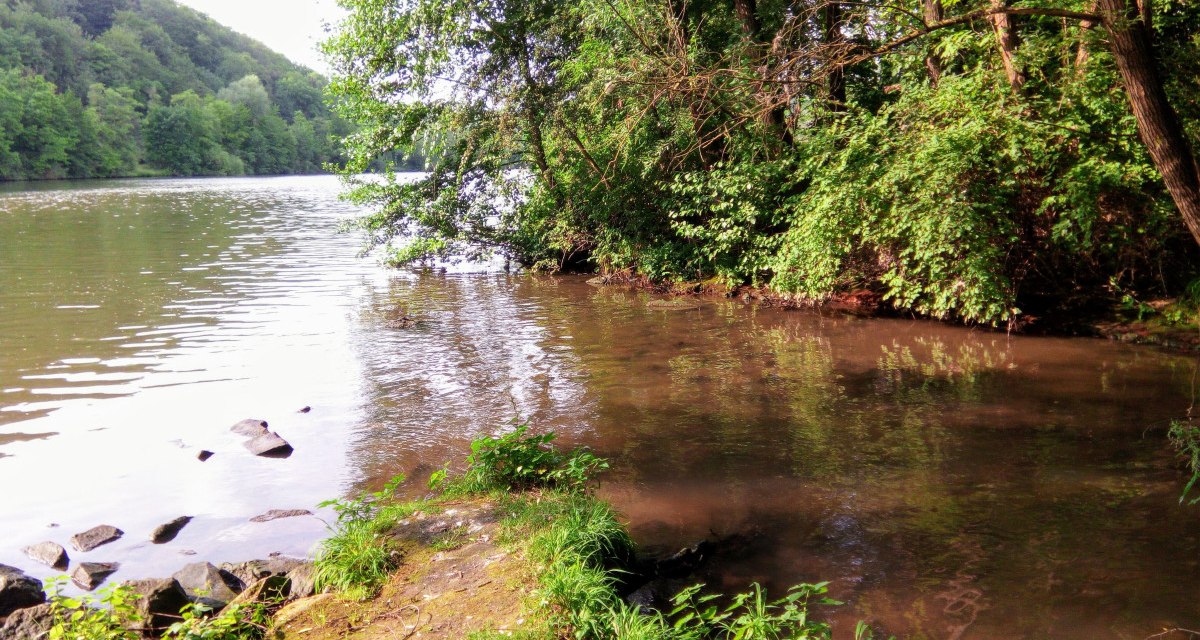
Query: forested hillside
x,y
983,160
104,88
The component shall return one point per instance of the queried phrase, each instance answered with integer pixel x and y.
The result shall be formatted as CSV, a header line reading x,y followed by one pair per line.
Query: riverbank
x,y
517,545
1169,324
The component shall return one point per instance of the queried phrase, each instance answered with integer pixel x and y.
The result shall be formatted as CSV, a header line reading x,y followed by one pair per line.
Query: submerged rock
x,y
95,537
167,532
48,553
18,591
674,304
208,585
250,427
89,575
159,603
277,514
31,622
269,445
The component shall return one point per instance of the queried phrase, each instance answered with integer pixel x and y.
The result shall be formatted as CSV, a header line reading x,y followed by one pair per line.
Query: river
x,y
949,483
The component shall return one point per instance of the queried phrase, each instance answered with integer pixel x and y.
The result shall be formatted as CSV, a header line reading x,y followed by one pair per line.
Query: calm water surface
x,y
949,483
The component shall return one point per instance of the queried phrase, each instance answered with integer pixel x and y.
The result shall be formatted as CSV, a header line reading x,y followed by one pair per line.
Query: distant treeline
x,y
105,88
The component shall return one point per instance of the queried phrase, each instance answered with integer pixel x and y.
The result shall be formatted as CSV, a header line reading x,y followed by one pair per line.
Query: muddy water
x,y
948,483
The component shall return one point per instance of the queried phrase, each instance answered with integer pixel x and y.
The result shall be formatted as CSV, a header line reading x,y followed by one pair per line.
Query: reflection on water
x,y
950,483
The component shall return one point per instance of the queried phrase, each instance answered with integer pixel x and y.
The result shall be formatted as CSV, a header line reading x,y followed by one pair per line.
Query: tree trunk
x,y
1082,55
834,41
1157,123
932,12
1007,38
747,12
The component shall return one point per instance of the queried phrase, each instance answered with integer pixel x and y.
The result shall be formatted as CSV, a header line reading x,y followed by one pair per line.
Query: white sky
x,y
291,27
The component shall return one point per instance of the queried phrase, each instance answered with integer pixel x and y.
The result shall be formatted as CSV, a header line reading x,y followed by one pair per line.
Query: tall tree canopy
x,y
91,84
965,158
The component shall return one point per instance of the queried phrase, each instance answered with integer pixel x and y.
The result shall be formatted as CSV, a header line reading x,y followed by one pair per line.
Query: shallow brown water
x,y
949,483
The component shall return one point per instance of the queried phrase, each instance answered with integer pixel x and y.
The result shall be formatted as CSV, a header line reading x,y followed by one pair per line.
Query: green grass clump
x,y
1186,438
358,558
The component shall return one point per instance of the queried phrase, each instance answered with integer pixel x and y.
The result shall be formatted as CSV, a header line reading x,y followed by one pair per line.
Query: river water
x,y
949,483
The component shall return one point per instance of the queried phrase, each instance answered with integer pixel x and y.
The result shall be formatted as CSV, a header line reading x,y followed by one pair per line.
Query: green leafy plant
x,y
242,621
516,461
112,615
751,614
1186,438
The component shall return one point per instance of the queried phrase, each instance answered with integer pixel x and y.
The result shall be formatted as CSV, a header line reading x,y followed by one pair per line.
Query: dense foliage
x,y
99,88
959,160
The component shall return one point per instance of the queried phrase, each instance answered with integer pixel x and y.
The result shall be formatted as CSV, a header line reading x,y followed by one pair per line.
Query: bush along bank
x,y
516,545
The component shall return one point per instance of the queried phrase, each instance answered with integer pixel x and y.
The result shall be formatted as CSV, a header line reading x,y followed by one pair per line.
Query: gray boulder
x,y
254,570
269,445
24,624
167,532
302,580
269,590
250,427
18,591
89,575
208,585
159,603
95,537
48,553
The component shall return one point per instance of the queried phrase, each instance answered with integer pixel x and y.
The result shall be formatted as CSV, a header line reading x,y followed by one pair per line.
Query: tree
x,y
42,130
182,137
118,127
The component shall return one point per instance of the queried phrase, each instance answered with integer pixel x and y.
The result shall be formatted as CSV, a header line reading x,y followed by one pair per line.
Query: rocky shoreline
x,y
25,612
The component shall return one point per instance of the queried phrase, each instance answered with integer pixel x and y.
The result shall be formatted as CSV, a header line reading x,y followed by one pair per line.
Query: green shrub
x,y
515,461
242,621
111,615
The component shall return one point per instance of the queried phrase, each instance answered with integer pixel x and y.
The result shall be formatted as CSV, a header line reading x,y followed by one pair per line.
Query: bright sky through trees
x,y
291,27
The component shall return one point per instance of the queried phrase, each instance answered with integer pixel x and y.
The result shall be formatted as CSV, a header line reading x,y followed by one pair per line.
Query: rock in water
x,y
18,591
204,455
95,537
674,304
270,445
34,622
305,409
276,514
159,603
48,553
251,427
207,584
89,575
167,532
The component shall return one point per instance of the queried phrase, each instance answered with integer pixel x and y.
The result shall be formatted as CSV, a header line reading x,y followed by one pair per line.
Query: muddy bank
x,y
1111,325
